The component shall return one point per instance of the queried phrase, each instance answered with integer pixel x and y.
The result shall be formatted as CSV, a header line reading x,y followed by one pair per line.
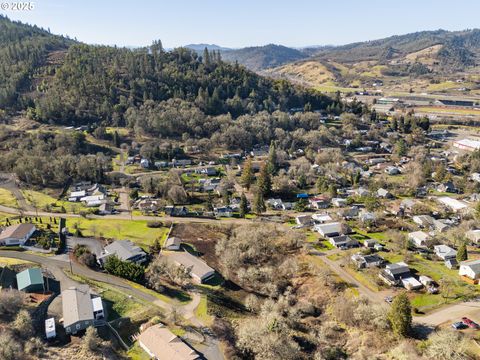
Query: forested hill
x,y
23,49
91,84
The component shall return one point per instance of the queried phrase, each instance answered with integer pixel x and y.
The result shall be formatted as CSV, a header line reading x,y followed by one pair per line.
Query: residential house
x,y
367,261
106,209
453,204
94,200
349,213
367,216
470,269
376,161
125,250
425,280
369,243
361,192
392,170
304,220
447,187
339,202
77,195
424,221
451,263
444,252
343,242
200,271
176,210
407,205
161,344
209,171
148,205
30,280
223,211
17,234
399,274
332,229
321,218
77,309
419,238
211,184
319,202
383,193
473,235
172,243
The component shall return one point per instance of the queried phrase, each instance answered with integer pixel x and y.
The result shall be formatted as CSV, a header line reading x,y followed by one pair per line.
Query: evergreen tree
x,y
243,206
462,254
206,57
264,181
259,203
272,159
400,315
247,174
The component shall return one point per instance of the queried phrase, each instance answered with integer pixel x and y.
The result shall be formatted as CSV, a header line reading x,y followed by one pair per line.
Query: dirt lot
x,y
203,237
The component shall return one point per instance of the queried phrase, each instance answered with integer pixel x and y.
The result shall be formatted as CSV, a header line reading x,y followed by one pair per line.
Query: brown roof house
x,y
17,234
161,344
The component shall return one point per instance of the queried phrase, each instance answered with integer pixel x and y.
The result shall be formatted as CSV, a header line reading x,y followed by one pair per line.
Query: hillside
x,y
24,50
200,47
62,81
263,57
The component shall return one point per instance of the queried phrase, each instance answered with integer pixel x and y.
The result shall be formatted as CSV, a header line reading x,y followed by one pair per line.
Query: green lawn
x,y
7,198
137,353
201,312
42,201
134,230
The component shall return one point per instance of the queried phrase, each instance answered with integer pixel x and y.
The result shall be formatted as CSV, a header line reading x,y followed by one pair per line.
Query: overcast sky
x,y
239,23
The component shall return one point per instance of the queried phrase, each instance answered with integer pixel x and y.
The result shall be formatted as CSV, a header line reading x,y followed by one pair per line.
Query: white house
x,y
321,218
339,202
470,269
332,229
173,243
17,234
419,238
445,252
454,204
473,235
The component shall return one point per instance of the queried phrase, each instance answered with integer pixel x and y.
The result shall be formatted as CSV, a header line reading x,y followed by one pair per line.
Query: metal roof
x,y
29,277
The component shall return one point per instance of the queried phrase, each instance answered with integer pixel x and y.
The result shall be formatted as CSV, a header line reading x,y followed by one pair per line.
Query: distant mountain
x,y
200,47
263,57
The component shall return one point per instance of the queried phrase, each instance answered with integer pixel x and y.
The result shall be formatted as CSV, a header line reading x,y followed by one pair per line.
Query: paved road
x,y
451,313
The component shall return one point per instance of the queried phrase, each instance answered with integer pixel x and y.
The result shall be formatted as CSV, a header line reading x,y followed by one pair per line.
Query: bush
x,y
154,224
124,269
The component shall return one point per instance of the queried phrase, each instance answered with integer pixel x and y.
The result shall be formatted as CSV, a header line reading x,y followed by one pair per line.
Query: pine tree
x,y
243,206
259,203
272,159
462,254
400,315
206,57
247,175
264,181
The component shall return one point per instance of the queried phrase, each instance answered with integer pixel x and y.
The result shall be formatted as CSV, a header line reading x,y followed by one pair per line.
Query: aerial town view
x,y
240,180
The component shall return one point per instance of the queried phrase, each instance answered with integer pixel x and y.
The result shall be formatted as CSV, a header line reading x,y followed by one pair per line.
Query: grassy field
x,y
137,353
201,312
134,230
9,262
7,198
42,201
454,111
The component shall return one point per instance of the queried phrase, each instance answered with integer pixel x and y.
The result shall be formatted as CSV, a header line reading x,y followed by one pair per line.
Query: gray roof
x,y
198,267
77,305
472,264
398,268
123,249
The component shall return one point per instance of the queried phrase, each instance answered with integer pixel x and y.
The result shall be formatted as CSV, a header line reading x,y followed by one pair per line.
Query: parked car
x,y
470,323
389,299
459,325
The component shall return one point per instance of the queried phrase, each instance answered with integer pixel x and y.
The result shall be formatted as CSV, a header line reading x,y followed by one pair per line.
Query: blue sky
x,y
238,23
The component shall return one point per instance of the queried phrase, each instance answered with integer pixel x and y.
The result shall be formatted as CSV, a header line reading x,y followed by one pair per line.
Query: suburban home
x,y
383,193
173,243
106,209
343,241
394,273
376,161
17,234
332,229
447,187
367,216
451,263
419,238
94,200
444,252
176,210
392,170
369,243
473,235
470,269
161,344
349,213
30,280
200,271
148,205
339,202
407,205
276,204
319,202
77,309
321,218
125,250
361,192
367,261
304,220
424,221
223,211
453,204
209,171
77,195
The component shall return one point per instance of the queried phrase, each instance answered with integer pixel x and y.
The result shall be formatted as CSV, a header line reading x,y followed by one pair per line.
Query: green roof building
x,y
30,280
